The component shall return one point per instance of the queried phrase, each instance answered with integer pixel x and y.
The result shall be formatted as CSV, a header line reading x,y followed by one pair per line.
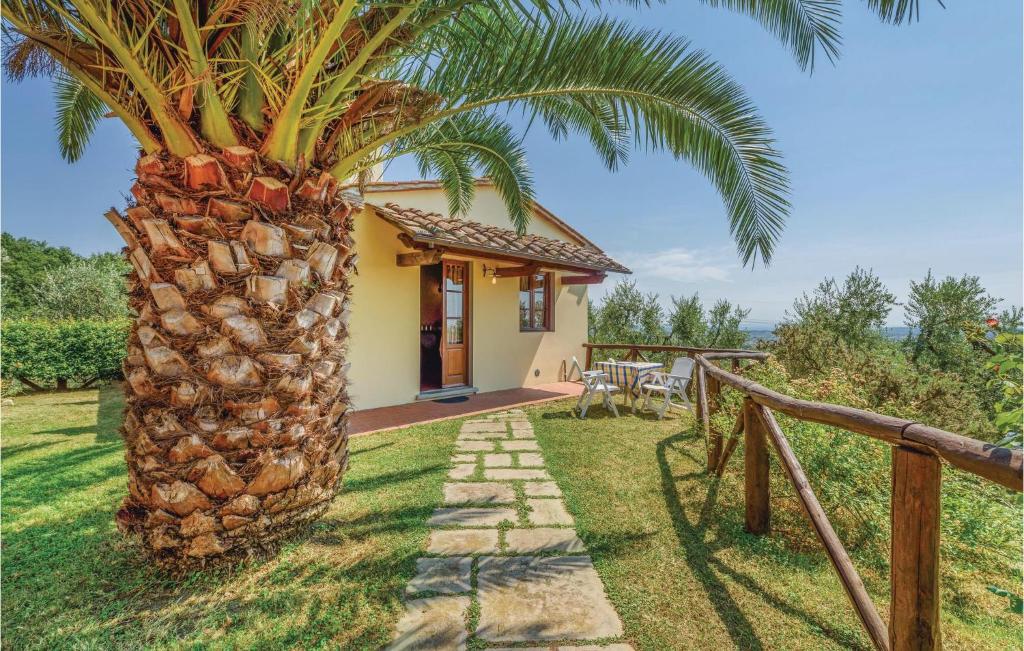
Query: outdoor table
x,y
628,376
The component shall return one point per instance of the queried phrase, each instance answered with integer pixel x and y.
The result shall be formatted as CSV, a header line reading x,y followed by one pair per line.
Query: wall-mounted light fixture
x,y
489,271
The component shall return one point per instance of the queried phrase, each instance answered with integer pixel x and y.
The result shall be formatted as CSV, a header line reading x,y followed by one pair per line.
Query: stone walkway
x,y
504,565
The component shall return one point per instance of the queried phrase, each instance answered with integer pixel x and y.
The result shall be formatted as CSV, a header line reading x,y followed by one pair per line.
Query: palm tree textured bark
x,y
235,431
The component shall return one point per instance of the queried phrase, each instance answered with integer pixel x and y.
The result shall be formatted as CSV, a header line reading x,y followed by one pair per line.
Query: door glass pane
x,y
453,304
454,331
454,279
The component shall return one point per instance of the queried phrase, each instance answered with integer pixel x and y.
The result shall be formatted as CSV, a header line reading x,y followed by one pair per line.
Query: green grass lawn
x,y
70,580
666,539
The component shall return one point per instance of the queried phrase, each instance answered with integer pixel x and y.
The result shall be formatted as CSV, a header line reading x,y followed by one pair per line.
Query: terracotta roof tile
x,y
433,228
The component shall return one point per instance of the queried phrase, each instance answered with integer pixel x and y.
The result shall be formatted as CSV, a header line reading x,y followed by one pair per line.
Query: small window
x,y
535,302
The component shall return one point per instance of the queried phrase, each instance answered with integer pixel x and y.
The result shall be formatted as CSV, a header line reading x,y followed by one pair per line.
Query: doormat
x,y
451,401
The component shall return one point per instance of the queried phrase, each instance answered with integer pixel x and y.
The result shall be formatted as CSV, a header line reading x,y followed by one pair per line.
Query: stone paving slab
x,y
478,436
471,517
509,474
542,489
531,460
445,575
486,427
433,623
498,460
520,445
474,446
532,541
479,492
525,596
530,598
462,470
547,511
462,542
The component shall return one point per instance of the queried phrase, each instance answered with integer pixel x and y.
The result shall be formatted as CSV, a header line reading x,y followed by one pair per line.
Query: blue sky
x,y
904,156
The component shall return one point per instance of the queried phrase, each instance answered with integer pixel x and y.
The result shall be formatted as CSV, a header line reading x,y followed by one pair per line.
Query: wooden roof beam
x,y
589,279
516,272
419,258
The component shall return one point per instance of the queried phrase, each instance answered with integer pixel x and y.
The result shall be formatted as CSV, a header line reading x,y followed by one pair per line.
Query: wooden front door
x,y
455,342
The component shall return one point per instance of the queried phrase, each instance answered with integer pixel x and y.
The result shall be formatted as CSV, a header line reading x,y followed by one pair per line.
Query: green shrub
x,y
93,288
851,475
52,351
886,380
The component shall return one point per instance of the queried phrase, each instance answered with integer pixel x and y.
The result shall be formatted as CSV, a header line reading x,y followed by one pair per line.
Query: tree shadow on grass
x,y
109,414
340,578
595,412
598,412
700,552
387,479
35,482
119,598
14,451
353,453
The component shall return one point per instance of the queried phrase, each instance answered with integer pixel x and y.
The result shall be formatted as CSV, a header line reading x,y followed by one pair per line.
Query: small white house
x,y
445,306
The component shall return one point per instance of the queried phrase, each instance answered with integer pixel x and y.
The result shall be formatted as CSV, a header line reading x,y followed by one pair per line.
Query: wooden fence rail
x,y
636,351
917,454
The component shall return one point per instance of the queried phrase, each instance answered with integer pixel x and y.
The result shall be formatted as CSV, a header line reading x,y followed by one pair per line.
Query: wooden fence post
x,y
916,507
705,418
590,359
755,462
714,389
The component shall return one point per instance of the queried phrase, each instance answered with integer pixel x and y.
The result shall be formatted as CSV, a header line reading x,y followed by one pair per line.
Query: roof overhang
x,y
422,230
540,210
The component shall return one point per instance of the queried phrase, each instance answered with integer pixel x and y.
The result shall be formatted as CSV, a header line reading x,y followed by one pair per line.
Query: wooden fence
x,y
917,454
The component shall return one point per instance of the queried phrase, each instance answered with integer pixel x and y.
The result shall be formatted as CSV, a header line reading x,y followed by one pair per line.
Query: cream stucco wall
x,y
384,345
504,357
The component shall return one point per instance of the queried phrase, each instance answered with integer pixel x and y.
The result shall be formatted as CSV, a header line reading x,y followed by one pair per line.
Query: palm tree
x,y
249,116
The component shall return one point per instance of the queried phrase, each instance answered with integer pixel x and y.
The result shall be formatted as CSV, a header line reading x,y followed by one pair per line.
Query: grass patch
x,y
668,542
70,580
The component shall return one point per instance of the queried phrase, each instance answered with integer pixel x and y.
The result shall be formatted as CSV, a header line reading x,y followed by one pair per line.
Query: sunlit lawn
x,y
669,543
666,539
70,580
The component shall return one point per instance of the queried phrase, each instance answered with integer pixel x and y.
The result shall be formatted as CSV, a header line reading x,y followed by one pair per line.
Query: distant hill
x,y
766,334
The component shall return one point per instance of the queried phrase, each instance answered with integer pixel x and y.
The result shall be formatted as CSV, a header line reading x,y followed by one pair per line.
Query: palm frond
x,y
897,11
454,149
601,76
23,57
343,83
802,25
78,111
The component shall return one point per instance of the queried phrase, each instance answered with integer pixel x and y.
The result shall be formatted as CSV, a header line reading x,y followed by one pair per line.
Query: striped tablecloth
x,y
628,374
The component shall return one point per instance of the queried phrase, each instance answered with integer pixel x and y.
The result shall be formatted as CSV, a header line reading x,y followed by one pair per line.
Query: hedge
x,y
43,351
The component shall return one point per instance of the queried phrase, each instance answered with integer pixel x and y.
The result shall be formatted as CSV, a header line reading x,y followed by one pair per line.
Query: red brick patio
x,y
368,421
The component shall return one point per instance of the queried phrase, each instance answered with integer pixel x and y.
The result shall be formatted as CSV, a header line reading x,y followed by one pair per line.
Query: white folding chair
x,y
594,382
669,384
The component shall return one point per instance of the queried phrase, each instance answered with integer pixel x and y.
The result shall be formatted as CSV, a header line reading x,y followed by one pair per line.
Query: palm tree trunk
x,y
235,427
